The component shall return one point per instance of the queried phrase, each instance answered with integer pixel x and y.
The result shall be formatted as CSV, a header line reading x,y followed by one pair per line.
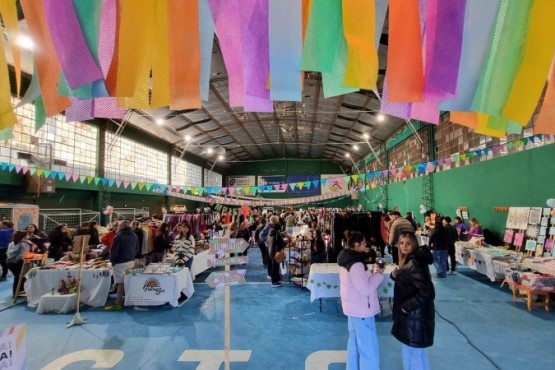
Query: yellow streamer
x,y
538,52
160,58
359,27
8,9
482,128
7,116
132,42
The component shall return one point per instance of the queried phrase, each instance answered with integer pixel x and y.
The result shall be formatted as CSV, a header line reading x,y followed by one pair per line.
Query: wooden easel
x,y
518,248
28,264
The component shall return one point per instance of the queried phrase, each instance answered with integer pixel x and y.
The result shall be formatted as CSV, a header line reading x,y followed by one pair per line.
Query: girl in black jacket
x,y
413,303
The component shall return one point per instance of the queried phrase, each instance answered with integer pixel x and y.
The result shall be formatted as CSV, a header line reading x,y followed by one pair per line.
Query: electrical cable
x,y
469,341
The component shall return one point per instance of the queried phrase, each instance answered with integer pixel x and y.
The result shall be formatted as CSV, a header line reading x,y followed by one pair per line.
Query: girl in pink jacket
x,y
359,299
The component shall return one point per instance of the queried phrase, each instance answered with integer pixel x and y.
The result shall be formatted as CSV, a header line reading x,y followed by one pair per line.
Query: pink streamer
x,y
80,110
76,61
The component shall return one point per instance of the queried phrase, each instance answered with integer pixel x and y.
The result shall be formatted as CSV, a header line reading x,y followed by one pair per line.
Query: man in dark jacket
x,y
122,255
452,239
6,234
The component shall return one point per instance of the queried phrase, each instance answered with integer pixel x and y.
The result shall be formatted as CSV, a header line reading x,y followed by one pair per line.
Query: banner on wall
x,y
332,184
303,184
272,181
237,181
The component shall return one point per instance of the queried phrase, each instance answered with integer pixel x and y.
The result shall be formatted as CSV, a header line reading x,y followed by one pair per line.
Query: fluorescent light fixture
x,y
366,136
381,117
188,138
210,151
355,147
159,121
347,155
221,157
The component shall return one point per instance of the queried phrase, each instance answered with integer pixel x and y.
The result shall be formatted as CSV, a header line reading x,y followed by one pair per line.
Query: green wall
x,y
524,179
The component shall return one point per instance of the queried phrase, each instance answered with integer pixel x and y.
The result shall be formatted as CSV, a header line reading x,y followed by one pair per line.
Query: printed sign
x,y
272,181
236,181
226,278
149,288
332,184
223,246
13,352
213,262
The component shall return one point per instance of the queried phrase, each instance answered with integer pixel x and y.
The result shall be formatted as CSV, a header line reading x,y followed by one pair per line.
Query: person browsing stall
x,y
359,300
413,303
16,251
6,235
122,256
60,242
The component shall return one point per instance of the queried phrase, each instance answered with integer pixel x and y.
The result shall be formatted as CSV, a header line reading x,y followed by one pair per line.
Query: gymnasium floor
x,y
477,327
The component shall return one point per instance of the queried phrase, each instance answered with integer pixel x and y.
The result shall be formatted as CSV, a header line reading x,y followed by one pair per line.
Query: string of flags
x,y
362,181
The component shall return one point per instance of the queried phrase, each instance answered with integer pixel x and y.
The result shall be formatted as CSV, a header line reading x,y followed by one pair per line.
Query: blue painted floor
x,y
477,327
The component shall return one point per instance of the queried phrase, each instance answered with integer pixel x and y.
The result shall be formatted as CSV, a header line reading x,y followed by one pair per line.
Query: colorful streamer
x,y
46,62
285,32
505,54
479,24
404,55
545,123
538,53
7,115
8,9
184,54
359,26
482,127
159,56
76,61
206,43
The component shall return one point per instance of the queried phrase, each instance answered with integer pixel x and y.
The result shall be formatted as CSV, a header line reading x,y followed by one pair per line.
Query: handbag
x,y
280,256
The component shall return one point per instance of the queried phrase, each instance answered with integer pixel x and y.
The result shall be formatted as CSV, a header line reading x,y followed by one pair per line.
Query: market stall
x,y
60,278
543,265
143,289
323,281
491,261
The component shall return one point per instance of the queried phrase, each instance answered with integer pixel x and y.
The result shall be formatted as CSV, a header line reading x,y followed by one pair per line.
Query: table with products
x,y
200,262
158,289
95,282
543,265
489,261
323,281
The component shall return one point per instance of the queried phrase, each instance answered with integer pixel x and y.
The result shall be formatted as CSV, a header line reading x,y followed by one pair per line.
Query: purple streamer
x,y
256,59
444,46
75,58
108,108
80,110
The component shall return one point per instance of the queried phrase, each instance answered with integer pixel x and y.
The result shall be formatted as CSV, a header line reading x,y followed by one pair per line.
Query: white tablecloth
x,y
95,285
57,303
481,259
323,281
157,289
542,265
200,263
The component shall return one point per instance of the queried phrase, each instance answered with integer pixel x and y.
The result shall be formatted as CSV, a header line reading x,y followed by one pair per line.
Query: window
x,y
185,173
58,145
212,178
133,161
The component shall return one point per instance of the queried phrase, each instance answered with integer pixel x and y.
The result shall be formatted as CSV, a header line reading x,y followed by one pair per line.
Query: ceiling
x,y
314,129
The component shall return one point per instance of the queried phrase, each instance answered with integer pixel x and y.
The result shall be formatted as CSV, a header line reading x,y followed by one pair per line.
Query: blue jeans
x,y
440,261
362,348
415,358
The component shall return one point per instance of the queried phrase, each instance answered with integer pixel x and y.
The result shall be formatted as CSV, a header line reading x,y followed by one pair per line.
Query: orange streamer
x,y
184,50
468,119
46,60
545,124
405,68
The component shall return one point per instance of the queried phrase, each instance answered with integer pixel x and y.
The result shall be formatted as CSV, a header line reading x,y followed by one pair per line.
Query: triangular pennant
x,y
111,182
448,160
440,162
518,143
277,186
315,182
17,168
4,166
463,157
39,171
486,151
232,191
141,185
133,185
346,179
46,173
61,175
471,155
307,184
284,187
75,177
126,184
455,158
377,174
104,181
25,170
32,171
11,167
354,177
67,176
54,174
393,171
385,173
82,179
148,186
300,185
323,182
96,180
292,186
89,179
362,176
525,141
118,183
369,176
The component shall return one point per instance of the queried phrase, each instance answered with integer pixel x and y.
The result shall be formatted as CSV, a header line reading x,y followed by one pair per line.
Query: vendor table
x,y
542,265
200,262
482,259
157,289
323,281
95,284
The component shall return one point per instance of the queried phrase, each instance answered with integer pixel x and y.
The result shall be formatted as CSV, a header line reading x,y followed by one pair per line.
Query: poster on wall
x,y
518,218
271,181
333,184
23,216
306,183
535,216
236,181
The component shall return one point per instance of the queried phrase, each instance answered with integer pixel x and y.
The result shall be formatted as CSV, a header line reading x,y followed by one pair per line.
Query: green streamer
x,y
498,123
40,113
514,128
333,81
6,134
504,57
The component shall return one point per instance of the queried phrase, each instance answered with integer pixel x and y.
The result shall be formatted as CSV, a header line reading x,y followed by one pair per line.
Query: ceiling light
x,y
25,42
366,136
221,157
188,137
355,147
381,117
347,155
159,121
210,150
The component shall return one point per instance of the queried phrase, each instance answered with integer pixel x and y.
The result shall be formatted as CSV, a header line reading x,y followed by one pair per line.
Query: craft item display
x,y
158,268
